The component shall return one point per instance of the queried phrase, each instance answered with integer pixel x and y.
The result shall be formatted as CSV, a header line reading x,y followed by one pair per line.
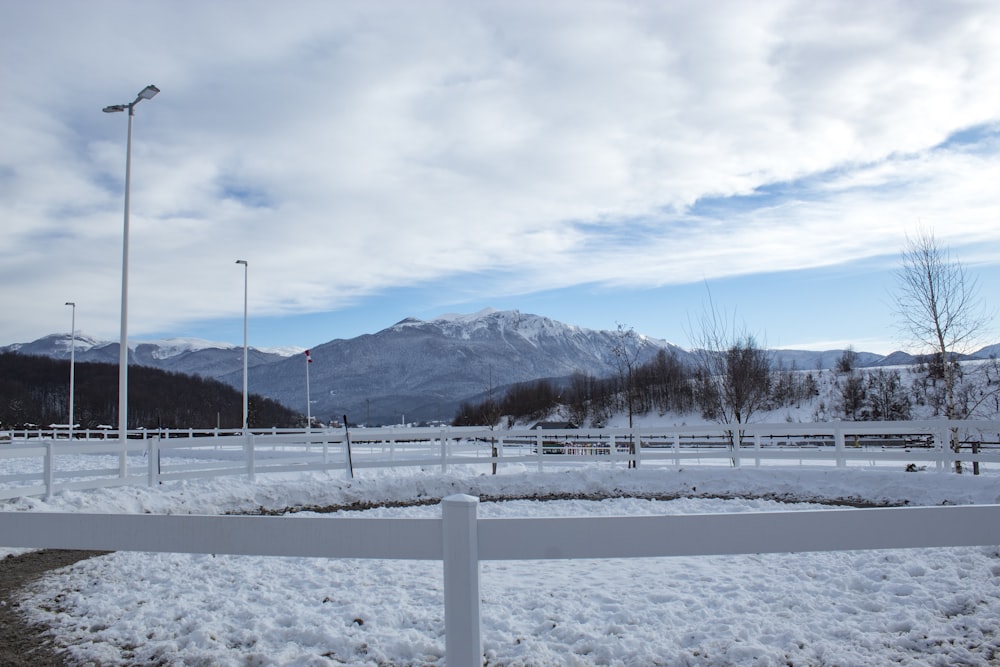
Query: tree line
x,y
663,384
730,386
35,390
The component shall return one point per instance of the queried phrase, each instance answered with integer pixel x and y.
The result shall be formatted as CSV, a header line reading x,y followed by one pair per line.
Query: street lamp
x,y
147,93
309,418
72,364
246,407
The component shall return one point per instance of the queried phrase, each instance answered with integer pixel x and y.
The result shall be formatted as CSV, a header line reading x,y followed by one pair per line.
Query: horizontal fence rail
x,y
48,464
461,540
416,539
730,534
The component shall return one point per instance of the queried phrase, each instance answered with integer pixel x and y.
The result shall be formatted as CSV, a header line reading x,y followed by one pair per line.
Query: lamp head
x,y
242,261
71,303
115,107
148,93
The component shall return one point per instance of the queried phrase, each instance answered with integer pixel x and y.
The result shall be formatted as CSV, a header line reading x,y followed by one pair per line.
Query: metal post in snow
x,y
347,446
246,405
463,641
72,366
638,448
756,447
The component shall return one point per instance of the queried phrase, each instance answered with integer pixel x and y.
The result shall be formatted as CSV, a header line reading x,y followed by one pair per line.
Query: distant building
x,y
554,426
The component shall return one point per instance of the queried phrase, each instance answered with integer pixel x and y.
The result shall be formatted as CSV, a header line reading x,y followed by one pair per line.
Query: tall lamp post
x,y
72,364
147,93
309,418
246,405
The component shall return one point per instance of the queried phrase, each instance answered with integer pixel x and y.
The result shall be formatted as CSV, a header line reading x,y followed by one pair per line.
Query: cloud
x,y
345,149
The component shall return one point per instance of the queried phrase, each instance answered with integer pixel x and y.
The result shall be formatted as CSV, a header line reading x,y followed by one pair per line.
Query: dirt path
x,y
23,644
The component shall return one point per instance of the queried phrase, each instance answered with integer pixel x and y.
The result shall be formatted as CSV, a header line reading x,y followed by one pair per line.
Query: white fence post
x,y
838,445
153,458
941,446
756,448
540,450
737,442
251,457
49,466
123,455
444,454
677,448
463,641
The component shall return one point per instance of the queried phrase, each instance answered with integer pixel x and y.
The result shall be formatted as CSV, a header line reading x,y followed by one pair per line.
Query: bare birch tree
x,y
938,305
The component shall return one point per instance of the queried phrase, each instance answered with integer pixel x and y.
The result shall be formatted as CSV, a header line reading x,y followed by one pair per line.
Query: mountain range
x,y
415,370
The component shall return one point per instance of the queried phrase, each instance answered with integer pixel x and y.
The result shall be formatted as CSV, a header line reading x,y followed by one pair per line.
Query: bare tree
x,y
852,395
886,399
491,408
733,372
938,305
625,349
847,361
578,397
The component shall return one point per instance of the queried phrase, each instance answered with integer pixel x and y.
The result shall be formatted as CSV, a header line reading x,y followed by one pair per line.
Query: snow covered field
x,y
907,607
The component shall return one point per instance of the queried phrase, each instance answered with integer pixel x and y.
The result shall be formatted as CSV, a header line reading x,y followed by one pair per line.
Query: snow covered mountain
x,y
192,356
421,370
415,370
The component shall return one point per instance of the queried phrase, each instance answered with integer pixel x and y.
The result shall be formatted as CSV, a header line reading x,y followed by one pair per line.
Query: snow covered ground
x,y
906,607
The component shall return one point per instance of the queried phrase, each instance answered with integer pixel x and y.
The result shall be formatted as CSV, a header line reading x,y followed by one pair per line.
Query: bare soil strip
x,y
21,643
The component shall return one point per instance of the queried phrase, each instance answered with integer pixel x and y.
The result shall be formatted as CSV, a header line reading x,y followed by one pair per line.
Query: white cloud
x,y
347,148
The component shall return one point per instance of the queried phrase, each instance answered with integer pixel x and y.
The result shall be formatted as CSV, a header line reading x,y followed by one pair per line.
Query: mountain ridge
x,y
417,369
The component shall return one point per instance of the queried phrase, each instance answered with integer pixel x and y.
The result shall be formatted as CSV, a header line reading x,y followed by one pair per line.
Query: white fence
x,y
461,540
39,463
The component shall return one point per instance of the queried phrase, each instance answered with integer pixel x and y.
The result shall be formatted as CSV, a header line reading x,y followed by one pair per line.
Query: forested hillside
x,y
35,390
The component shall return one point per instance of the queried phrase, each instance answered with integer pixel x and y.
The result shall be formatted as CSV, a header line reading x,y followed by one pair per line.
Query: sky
x,y
599,163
